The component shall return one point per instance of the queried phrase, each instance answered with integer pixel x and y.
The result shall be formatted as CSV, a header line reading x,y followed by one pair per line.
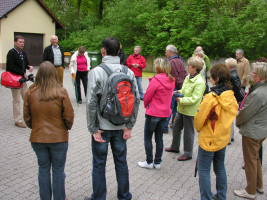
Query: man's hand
x,y
242,82
178,99
97,137
127,133
30,68
73,74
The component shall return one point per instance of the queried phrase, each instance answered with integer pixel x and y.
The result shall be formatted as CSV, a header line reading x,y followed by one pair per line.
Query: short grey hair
x,y
231,62
171,48
196,62
240,51
53,36
260,69
138,48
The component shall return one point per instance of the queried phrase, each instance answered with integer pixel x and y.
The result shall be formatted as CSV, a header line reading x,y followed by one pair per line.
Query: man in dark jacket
x,y
17,63
55,55
179,73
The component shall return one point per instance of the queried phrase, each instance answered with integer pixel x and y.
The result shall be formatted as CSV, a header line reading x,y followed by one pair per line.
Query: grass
x,y
148,74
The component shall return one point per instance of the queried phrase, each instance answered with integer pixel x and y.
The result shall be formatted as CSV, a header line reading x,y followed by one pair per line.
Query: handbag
x,y
11,80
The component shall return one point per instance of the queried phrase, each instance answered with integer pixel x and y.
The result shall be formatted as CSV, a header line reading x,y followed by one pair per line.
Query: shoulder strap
x,y
106,68
109,71
124,69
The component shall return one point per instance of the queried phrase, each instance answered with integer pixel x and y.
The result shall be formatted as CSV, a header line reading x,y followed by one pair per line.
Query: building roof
x,y
8,6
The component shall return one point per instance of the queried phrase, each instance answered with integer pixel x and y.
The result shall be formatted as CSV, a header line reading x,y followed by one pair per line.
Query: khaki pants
x,y
16,93
60,72
252,163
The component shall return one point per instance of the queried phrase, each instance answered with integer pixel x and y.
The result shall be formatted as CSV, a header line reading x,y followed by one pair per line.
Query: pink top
x,y
81,63
158,96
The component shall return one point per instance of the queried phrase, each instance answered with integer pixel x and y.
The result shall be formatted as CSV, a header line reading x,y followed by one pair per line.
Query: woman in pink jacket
x,y
157,101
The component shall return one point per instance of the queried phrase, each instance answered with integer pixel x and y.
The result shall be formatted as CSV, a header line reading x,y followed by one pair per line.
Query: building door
x,y
33,47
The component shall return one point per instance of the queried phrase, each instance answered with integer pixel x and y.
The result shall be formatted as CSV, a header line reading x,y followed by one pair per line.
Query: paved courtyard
x,y
174,181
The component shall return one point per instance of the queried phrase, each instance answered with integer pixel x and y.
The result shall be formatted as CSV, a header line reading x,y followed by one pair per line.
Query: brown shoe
x,y
20,124
169,149
184,158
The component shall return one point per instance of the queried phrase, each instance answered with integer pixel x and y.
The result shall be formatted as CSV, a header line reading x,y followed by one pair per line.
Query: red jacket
x,y
138,59
158,96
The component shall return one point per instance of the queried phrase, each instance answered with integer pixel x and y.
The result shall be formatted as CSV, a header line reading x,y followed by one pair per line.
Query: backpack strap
x,y
109,71
124,69
106,68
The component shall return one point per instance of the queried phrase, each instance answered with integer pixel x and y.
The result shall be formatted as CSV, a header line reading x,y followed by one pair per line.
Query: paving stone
x,y
174,181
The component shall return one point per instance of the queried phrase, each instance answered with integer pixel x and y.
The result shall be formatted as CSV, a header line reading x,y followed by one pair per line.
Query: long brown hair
x,y
46,81
220,71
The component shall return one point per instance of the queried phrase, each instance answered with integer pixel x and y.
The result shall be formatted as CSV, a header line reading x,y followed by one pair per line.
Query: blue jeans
x,y
51,154
154,124
204,163
100,151
140,88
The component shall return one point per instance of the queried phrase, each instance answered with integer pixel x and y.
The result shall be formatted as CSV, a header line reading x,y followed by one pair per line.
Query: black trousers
x,y
81,75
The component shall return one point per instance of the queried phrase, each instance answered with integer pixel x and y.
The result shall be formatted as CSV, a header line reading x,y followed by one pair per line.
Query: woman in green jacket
x,y
192,89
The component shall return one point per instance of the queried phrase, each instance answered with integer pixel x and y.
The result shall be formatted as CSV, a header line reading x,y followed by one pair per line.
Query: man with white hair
x,y
179,73
243,68
55,55
136,62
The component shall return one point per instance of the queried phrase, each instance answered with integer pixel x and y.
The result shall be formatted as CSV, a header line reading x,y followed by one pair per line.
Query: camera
x,y
177,94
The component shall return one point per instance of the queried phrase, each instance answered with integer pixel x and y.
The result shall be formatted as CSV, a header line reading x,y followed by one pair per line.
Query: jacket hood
x,y
164,80
219,88
136,56
226,100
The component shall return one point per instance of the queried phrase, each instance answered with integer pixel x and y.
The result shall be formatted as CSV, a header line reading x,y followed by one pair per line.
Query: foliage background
x,y
219,26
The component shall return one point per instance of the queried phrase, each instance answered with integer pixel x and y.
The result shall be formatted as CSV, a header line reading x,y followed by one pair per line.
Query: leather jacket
x,y
236,85
49,120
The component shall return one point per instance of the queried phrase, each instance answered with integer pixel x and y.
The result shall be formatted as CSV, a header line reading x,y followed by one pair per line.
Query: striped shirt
x,y
57,55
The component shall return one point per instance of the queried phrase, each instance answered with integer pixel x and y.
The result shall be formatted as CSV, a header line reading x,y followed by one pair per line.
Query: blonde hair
x,y
231,62
200,53
162,65
196,62
46,81
260,69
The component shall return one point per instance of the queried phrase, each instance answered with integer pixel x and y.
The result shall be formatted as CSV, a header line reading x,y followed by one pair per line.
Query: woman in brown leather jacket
x,y
49,113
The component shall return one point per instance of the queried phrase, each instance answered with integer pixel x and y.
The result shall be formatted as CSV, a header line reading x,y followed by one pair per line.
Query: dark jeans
x,y
173,114
205,158
100,151
84,77
51,154
154,124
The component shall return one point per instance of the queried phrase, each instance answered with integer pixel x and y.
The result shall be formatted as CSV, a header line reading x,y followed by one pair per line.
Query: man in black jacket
x,y
17,63
55,55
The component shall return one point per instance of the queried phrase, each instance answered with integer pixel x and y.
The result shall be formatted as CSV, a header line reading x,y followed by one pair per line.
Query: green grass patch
x,y
148,74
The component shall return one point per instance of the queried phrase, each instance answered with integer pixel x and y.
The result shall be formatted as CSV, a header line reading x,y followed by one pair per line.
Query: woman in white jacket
x,y
79,68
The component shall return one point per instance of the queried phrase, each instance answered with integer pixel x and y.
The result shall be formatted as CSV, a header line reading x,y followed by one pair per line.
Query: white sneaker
x,y
145,165
243,193
260,190
156,166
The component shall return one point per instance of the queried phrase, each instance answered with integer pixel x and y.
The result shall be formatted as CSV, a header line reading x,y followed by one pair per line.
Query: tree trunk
x,y
100,12
79,6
